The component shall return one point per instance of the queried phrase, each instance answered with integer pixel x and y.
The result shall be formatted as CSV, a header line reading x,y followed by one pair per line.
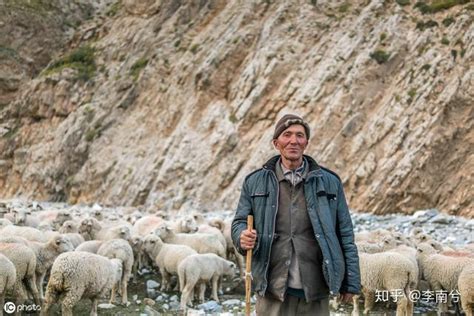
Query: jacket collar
x,y
312,164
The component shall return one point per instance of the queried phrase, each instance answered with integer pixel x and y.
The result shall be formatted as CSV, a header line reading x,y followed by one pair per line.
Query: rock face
x,y
172,108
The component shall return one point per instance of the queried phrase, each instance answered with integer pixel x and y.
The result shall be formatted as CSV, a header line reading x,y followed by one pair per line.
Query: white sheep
x,y
202,268
7,278
204,227
90,228
24,260
4,223
374,247
91,246
147,224
77,275
29,233
46,253
120,249
466,289
441,272
231,251
69,227
23,217
136,243
74,238
166,256
386,271
202,243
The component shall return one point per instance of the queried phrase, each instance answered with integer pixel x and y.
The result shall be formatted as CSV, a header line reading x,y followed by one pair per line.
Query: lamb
x,y
202,268
77,275
29,233
23,217
74,238
202,243
204,227
372,235
386,271
441,272
371,247
147,224
54,217
119,248
4,223
46,253
7,278
136,243
225,228
91,246
69,227
91,229
24,260
466,289
166,256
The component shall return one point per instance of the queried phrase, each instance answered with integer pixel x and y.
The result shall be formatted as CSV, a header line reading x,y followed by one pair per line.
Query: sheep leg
x,y
112,294
31,287
369,298
95,301
355,304
51,297
402,306
240,262
69,300
215,281
39,284
185,295
464,304
202,291
124,291
165,279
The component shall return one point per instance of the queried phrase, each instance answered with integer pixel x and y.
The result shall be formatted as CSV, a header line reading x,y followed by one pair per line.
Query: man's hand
x,y
346,298
247,239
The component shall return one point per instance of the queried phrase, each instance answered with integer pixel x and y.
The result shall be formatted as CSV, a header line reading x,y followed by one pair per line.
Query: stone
x,y
210,307
231,302
150,311
106,306
152,284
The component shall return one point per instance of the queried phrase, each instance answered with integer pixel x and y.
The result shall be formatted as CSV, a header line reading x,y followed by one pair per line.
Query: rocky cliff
x,y
169,104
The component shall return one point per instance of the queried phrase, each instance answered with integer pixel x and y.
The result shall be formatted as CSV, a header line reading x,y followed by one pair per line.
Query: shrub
x,y
343,8
445,40
81,59
380,56
426,25
403,2
137,67
194,48
425,67
438,5
448,21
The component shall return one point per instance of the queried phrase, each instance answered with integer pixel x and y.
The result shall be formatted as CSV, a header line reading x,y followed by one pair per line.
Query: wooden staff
x,y
248,271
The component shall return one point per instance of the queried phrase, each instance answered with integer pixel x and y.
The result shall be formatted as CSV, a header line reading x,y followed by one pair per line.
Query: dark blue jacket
x,y
330,218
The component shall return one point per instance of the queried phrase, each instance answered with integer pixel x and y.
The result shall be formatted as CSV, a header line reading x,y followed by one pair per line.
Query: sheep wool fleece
x,y
329,216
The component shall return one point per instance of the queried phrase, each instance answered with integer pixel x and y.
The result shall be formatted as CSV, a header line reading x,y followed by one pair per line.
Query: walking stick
x,y
248,271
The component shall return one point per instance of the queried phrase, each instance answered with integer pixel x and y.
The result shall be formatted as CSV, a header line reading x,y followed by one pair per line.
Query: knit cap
x,y
286,121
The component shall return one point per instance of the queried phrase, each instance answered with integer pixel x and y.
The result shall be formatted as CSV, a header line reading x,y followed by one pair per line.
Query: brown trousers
x,y
292,306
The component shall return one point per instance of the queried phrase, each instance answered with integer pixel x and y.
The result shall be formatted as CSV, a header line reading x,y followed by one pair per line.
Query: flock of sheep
x,y
93,253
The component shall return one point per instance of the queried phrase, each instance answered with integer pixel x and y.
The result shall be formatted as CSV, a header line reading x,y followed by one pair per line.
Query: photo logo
x,y
9,307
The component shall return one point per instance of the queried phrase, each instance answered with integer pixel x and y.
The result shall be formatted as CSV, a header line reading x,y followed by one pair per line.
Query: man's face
x,y
292,142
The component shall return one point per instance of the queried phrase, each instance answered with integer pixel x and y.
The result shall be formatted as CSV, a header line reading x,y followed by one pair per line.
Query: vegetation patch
x,y
420,25
445,40
448,21
438,5
114,9
81,59
403,2
194,48
380,56
411,95
137,67
343,8
425,67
